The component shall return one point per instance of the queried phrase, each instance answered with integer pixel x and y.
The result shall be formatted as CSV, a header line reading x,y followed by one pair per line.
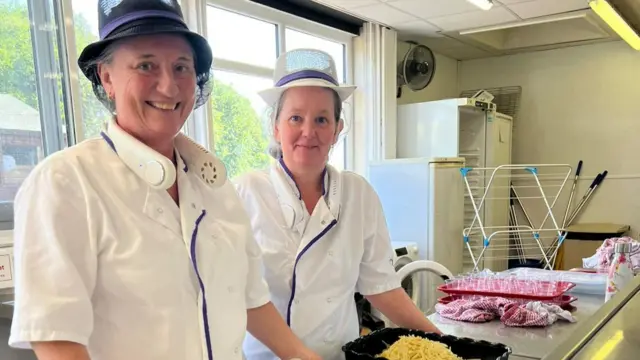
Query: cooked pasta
x,y
417,348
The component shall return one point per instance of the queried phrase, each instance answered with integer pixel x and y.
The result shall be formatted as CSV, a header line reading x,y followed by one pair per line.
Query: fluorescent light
x,y
482,4
616,22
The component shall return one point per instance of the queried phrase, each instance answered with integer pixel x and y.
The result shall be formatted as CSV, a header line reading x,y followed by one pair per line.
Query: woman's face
x,y
153,81
307,127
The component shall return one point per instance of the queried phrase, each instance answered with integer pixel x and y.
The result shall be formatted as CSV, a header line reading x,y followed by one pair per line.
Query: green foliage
x,y
17,74
239,138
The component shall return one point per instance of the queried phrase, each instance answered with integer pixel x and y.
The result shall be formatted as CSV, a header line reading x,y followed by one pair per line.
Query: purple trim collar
x,y
306,74
136,15
290,175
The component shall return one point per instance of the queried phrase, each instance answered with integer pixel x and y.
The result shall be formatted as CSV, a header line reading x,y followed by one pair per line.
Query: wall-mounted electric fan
x,y
416,69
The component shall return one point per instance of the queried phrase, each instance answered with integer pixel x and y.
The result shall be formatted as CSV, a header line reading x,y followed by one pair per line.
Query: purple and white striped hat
x,y
305,67
118,19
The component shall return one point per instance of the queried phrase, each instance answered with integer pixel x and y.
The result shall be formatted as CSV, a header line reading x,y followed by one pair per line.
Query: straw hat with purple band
x,y
305,67
119,19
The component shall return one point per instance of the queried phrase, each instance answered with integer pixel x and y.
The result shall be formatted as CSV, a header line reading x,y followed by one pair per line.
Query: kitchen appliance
x,y
467,128
416,69
406,253
423,201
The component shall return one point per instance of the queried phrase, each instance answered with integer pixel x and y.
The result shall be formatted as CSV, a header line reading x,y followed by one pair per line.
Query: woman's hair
x,y
275,149
204,86
106,57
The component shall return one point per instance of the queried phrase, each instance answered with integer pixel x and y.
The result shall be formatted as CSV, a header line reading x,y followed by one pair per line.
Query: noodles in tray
x,y
417,348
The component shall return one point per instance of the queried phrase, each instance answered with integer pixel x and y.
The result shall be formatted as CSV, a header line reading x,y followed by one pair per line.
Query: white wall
x,y
579,103
444,84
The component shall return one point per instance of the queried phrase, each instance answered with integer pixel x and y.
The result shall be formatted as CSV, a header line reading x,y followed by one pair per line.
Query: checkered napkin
x,y
511,313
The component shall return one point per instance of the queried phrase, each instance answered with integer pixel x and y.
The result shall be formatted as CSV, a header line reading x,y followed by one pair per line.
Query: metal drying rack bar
x,y
492,192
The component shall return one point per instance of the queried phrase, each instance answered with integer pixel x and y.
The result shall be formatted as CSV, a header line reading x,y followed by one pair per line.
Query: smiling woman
x,y
151,80
145,201
291,132
319,220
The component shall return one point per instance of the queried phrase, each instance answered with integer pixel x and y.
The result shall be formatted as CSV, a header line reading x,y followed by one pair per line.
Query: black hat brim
x,y
148,26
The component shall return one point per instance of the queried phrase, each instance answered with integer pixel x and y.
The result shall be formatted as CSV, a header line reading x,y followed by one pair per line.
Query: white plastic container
x,y
586,283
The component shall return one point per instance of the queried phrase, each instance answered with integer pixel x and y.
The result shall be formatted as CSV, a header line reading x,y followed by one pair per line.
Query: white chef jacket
x,y
104,260
315,263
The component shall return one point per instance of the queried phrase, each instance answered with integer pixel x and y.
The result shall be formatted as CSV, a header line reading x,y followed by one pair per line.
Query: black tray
x,y
368,346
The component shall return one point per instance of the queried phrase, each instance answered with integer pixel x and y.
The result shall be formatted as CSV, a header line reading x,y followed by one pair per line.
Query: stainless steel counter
x,y
612,333
526,343
6,301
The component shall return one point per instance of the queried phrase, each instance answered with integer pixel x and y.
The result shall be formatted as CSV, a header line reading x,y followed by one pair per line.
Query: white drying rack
x,y
495,195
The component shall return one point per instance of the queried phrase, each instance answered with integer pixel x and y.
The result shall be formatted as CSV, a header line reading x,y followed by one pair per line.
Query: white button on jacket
x,y
106,261
312,289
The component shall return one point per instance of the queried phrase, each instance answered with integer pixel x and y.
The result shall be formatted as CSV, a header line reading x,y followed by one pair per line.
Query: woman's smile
x,y
164,106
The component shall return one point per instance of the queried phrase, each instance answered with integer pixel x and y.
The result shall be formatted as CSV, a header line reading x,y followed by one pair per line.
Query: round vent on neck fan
x,y
208,167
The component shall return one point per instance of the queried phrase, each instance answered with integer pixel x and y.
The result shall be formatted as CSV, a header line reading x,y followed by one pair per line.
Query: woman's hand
x,y
266,325
307,354
398,307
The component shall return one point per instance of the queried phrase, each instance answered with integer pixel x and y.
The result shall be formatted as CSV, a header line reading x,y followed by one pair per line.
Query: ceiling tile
x,y
466,53
384,14
348,4
418,27
438,43
495,16
433,8
531,9
452,48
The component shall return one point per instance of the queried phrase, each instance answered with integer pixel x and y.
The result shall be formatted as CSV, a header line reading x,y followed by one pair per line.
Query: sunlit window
x,y
246,49
36,118
33,110
85,20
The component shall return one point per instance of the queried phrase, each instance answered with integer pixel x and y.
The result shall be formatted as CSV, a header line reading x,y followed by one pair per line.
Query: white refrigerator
x,y
423,202
470,129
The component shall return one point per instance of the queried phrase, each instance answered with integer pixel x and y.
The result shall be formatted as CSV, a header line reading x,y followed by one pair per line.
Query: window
x,y
39,83
250,42
85,24
246,40
241,135
33,96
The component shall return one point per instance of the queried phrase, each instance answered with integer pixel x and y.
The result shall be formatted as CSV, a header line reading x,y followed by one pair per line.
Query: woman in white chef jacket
x,y
133,246
322,232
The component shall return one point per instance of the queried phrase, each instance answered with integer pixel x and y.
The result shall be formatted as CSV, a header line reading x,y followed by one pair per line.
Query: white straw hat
x,y
305,67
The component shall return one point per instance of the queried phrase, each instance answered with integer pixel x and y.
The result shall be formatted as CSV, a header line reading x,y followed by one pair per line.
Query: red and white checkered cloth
x,y
511,313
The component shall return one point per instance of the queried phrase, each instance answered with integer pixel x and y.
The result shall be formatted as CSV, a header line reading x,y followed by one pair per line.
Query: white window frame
x,y
283,21
53,128
199,125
